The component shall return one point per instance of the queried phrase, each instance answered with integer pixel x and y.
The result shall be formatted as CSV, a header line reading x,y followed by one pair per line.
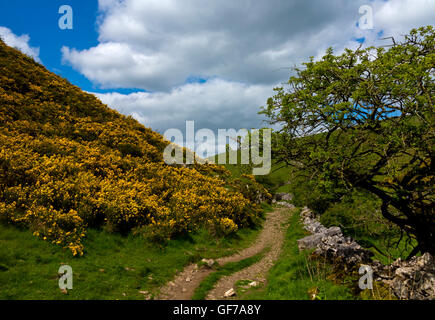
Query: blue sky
x,y
215,62
39,19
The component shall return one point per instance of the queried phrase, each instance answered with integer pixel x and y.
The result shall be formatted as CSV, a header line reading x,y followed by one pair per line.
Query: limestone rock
x,y
229,293
285,204
412,279
330,242
282,196
310,242
208,262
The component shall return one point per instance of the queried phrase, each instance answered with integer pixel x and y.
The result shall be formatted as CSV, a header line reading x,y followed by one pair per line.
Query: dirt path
x,y
272,236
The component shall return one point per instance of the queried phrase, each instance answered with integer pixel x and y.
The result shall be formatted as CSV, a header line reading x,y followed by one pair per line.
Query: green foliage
x,y
357,213
365,120
359,216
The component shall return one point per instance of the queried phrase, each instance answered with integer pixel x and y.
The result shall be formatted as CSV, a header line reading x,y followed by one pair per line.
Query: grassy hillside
x,y
69,163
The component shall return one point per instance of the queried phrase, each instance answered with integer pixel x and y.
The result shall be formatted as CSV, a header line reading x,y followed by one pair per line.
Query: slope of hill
x,y
68,162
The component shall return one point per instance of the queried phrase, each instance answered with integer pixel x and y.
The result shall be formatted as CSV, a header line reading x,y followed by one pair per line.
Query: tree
x,y
365,120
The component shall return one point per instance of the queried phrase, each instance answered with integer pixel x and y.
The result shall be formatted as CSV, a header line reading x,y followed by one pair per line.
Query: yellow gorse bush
x,y
68,162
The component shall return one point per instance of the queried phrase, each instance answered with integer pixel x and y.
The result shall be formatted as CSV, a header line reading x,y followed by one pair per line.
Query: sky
x,y
212,61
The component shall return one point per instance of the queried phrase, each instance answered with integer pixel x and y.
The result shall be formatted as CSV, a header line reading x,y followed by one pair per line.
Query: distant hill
x,y
68,162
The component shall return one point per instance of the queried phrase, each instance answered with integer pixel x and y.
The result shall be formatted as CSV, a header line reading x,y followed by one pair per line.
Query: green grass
x,y
275,181
229,268
266,207
295,275
388,249
113,267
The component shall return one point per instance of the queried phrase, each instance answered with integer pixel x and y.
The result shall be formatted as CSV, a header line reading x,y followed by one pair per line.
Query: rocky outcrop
x,y
282,196
412,279
330,242
283,199
285,204
208,263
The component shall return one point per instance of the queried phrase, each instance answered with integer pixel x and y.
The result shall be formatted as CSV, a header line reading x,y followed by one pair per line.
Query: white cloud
x,y
19,42
245,47
156,45
397,17
214,104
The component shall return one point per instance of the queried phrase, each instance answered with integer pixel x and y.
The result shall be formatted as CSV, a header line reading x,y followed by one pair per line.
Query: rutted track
x,y
272,236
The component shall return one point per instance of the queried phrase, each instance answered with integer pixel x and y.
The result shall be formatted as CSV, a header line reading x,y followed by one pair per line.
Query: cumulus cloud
x,y
19,42
243,49
156,45
397,17
214,104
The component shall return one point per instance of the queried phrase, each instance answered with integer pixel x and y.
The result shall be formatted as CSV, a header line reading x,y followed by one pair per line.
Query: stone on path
x,y
229,293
